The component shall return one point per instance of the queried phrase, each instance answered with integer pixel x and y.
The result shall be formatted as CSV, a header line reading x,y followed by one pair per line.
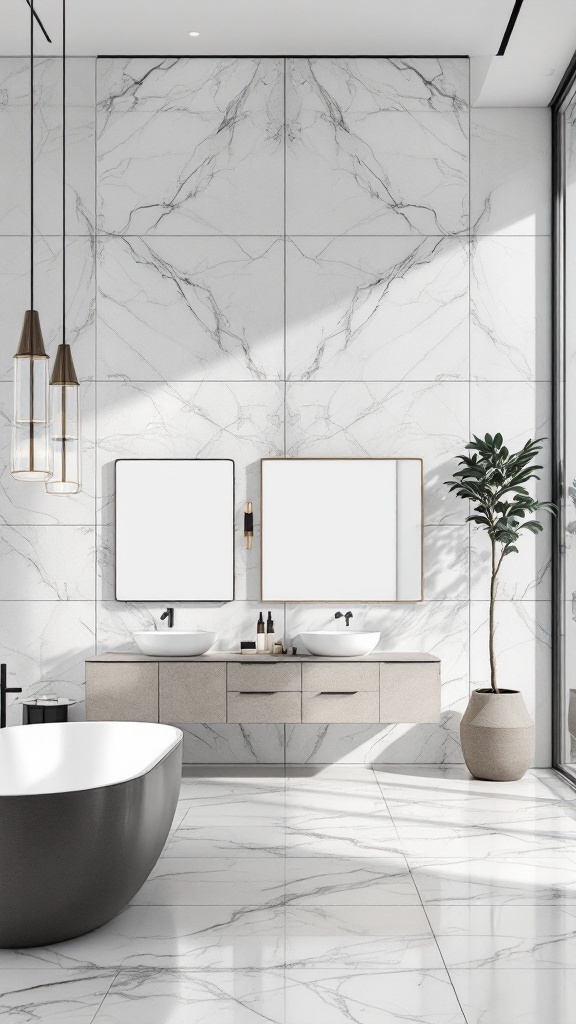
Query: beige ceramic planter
x,y
497,735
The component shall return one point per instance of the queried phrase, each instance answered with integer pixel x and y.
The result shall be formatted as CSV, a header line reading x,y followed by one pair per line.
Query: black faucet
x,y
347,616
4,689
168,614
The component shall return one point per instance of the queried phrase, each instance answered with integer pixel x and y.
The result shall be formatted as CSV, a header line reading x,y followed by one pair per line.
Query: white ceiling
x,y
543,39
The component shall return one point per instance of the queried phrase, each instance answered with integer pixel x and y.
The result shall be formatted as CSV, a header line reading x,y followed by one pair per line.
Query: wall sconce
x,y
248,524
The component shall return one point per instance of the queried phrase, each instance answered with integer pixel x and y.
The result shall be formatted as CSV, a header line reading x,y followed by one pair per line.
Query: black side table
x,y
47,708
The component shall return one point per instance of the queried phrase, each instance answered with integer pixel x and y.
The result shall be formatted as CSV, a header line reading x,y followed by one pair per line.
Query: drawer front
x,y
192,692
340,707
125,692
264,708
246,676
410,692
340,676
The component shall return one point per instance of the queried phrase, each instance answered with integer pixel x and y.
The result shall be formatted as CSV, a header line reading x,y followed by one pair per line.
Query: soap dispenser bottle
x,y
270,638
260,636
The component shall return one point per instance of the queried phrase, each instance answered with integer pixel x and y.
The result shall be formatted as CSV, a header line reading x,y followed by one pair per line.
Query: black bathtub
x,y
85,810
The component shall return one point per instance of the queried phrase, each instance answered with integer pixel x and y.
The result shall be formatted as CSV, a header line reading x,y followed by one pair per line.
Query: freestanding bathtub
x,y
85,810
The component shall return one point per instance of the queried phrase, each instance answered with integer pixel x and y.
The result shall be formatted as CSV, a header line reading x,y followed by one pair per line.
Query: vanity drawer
x,y
246,676
325,706
192,692
122,692
410,692
266,708
341,676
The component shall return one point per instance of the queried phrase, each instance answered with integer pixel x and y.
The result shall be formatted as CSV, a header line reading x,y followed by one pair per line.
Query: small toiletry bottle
x,y
278,647
270,633
260,636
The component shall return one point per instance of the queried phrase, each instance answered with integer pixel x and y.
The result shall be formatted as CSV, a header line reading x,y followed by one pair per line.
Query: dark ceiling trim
x,y
566,85
509,28
39,21
284,56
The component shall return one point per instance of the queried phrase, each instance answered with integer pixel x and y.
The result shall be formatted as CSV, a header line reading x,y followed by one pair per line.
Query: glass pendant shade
x,y
65,425
31,449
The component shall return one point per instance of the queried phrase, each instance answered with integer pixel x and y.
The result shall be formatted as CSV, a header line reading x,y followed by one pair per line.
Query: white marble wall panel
x,y
80,297
359,163
80,145
377,308
510,299
191,308
47,563
190,146
510,174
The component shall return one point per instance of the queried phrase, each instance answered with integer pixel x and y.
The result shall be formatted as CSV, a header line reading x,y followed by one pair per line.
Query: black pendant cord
x,y
31,154
63,170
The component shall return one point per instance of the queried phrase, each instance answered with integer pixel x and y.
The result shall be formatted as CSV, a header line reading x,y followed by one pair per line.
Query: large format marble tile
x,y
45,644
387,308
341,996
545,876
60,996
220,841
80,297
346,841
510,308
233,744
395,420
194,938
510,171
523,651
391,938
357,165
241,421
453,783
26,504
202,882
15,133
528,997
150,996
334,882
191,309
536,937
47,563
190,146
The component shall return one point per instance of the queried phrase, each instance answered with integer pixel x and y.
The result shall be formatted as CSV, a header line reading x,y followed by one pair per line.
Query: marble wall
x,y
268,257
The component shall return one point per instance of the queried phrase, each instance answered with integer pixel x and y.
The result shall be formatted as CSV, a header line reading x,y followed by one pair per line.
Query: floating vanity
x,y
251,689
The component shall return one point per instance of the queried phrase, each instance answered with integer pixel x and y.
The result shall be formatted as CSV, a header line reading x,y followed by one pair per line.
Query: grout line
x,y
97,531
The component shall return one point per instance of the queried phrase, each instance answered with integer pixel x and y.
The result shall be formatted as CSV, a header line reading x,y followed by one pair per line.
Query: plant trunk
x,y
493,679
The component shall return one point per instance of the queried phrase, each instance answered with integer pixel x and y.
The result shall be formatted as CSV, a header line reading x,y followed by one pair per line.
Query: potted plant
x,y
496,731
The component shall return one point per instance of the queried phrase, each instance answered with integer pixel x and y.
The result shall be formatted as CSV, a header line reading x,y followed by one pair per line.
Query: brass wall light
x,y
64,386
31,449
248,524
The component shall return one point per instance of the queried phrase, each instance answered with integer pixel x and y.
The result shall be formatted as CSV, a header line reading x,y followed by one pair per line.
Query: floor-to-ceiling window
x,y
565,426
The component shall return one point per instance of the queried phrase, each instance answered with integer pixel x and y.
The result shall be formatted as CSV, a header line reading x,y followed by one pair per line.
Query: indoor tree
x,y
494,479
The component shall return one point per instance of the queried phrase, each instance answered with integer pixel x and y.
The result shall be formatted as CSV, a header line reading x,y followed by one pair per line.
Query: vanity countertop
x,y
380,656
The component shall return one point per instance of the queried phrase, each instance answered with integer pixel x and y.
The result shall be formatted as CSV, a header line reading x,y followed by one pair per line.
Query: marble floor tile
x,y
371,997
357,839
59,996
422,783
384,938
192,938
228,882
542,877
267,811
148,997
336,882
313,809
516,997
227,841
535,937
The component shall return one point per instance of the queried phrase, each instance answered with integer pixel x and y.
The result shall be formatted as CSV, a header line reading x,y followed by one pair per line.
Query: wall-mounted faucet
x,y
4,689
168,614
347,616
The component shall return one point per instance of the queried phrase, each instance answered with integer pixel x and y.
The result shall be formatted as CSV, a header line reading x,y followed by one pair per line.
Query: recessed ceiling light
x,y
193,33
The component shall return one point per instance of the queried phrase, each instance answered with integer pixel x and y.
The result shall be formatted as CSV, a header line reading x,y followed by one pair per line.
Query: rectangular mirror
x,y
342,530
174,530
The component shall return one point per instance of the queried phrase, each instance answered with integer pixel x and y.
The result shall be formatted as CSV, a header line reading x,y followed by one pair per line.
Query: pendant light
x,y
64,386
31,449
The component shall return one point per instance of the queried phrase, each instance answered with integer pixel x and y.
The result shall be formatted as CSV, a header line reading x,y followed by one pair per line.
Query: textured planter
x,y
497,735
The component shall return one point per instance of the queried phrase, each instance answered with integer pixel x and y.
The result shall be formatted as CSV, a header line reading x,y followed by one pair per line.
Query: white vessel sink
x,y
332,643
172,643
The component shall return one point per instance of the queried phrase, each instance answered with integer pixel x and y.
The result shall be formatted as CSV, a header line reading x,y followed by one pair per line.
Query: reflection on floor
x,y
341,895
